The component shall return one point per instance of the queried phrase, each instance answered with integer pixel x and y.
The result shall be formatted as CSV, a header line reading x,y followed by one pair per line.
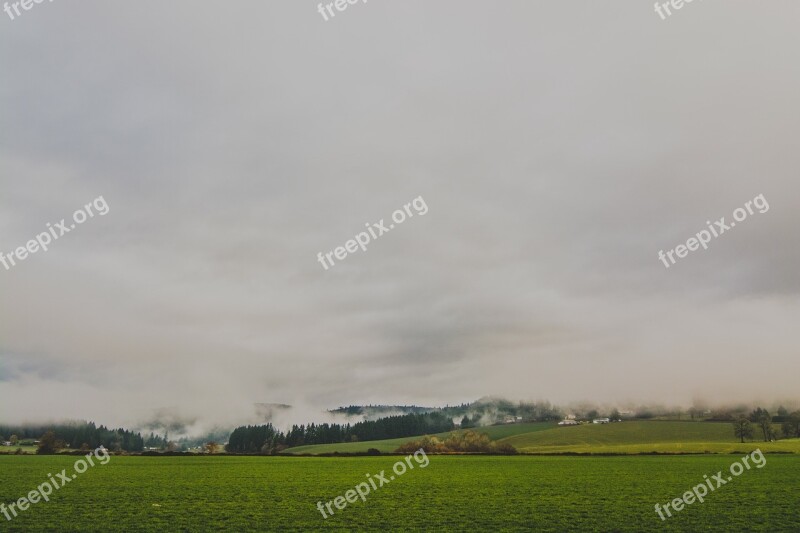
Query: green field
x,y
25,449
624,437
390,445
643,437
454,493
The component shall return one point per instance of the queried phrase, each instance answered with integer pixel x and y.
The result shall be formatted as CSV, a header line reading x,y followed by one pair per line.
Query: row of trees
x,y
78,435
744,427
488,411
376,411
267,439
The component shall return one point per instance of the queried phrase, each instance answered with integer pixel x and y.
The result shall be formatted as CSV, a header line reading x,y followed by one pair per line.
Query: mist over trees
x,y
377,422
79,435
373,412
266,439
488,411
791,425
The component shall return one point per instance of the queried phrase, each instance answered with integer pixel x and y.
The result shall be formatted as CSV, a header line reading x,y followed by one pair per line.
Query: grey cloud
x,y
558,146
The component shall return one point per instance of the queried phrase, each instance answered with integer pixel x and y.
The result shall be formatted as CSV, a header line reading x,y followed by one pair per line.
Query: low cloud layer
x,y
558,147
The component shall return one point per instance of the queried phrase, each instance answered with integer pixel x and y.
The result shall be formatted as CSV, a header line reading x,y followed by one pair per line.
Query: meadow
x,y
454,493
390,445
632,437
13,449
644,437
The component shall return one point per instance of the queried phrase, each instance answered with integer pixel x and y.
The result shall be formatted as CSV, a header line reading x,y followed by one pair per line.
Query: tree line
x,y
760,422
266,439
77,436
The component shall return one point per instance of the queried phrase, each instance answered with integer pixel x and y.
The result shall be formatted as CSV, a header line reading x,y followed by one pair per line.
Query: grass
x,y
474,493
643,437
633,437
390,445
12,449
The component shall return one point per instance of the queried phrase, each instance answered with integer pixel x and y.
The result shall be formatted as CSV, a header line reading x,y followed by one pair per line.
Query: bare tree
x,y
742,428
763,420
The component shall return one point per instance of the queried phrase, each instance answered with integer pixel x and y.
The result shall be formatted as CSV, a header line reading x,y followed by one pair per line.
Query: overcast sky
x,y
558,146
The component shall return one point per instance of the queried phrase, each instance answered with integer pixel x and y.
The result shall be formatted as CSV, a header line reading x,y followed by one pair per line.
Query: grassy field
x,y
623,437
643,437
466,493
390,445
12,449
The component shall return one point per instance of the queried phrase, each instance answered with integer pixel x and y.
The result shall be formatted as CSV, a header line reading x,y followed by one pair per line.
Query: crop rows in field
x,y
520,493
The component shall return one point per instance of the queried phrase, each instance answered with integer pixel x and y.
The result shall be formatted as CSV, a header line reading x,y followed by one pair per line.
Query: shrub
x,y
461,442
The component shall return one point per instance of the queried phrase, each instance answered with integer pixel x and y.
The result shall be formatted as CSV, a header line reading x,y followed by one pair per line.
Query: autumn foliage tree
x,y
211,447
458,442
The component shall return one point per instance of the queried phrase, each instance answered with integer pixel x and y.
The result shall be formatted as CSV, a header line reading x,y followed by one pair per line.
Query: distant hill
x,y
485,411
373,412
